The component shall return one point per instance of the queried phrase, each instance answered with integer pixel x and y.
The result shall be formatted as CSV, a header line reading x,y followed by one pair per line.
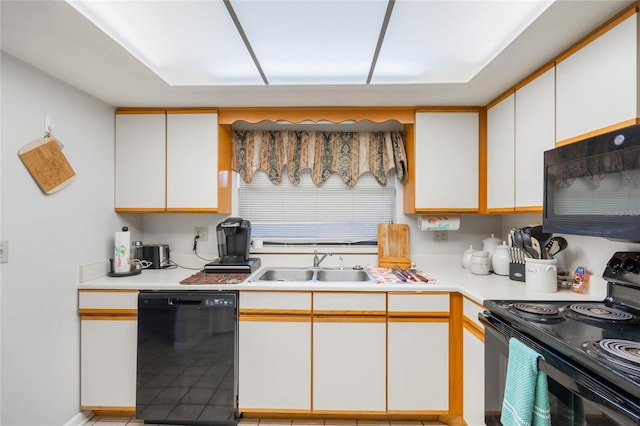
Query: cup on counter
x,y
480,263
541,275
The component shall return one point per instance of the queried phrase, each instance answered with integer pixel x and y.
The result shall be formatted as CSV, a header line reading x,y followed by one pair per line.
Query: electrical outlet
x,y
4,251
440,236
202,233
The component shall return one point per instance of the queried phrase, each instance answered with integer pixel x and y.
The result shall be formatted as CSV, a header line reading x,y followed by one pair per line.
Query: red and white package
x,y
580,280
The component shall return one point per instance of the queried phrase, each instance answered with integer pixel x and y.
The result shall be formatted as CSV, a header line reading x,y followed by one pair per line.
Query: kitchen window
x,y
333,214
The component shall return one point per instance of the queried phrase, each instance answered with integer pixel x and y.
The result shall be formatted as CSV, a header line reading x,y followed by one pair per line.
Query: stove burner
x,y
601,312
624,349
535,309
625,354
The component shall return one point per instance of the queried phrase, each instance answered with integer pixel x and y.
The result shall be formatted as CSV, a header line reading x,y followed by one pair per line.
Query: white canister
x,y
489,245
466,257
480,263
541,275
500,259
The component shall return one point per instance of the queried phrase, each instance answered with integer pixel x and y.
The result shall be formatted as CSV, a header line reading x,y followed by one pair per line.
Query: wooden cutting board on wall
x,y
393,245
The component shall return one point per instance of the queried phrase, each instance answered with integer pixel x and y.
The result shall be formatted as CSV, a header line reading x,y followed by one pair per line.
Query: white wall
x,y
49,237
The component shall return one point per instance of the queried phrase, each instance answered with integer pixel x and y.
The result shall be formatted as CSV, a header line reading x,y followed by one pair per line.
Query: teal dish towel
x,y
526,398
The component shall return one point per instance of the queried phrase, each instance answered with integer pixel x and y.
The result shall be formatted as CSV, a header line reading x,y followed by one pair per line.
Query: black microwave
x,y
592,187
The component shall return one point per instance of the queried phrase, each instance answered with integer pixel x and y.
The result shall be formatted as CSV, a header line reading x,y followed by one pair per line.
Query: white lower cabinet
x,y
473,364
418,352
275,364
108,348
349,352
274,353
418,365
108,364
349,364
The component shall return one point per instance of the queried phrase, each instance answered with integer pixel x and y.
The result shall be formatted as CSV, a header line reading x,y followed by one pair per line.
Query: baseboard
x,y
79,419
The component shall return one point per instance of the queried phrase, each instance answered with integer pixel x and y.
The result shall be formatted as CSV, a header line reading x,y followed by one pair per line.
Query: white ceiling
x,y
54,37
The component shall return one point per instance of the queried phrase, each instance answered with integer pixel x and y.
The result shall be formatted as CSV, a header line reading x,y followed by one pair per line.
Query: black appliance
x,y
592,187
234,243
591,350
157,255
187,357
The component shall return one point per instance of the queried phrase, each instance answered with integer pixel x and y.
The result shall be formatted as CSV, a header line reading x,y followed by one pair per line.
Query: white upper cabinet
x,y
166,161
446,161
140,171
597,86
501,155
535,133
192,161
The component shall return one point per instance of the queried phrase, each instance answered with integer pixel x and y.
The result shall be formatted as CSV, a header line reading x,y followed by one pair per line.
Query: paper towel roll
x,y
122,252
439,223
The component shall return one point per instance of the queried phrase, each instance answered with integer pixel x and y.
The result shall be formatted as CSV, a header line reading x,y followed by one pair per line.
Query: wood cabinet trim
x,y
107,411
268,311
108,311
598,132
109,317
419,319
139,210
456,358
351,318
274,318
334,114
473,328
529,209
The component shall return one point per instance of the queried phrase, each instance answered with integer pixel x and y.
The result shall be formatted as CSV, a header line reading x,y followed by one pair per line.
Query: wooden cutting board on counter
x,y
393,245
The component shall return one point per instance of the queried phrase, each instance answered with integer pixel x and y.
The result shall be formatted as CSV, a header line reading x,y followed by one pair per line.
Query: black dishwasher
x,y
187,353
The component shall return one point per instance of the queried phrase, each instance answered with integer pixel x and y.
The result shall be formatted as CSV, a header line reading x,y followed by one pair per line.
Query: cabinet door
x,y
446,161
108,363
473,363
275,364
473,395
192,161
140,161
500,155
418,364
349,364
535,133
597,86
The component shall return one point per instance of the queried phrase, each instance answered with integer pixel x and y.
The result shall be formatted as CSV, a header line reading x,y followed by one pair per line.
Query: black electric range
x,y
599,340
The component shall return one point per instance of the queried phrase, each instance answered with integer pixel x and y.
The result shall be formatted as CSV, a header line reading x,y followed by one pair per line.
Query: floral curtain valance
x,y
349,154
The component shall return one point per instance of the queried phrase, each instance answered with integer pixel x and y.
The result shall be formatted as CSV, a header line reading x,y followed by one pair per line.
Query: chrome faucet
x,y
317,260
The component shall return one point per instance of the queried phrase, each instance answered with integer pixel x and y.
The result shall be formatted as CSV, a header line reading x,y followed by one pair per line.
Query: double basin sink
x,y
314,274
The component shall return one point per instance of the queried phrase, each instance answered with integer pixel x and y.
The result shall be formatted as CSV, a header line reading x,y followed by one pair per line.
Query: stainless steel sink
x,y
342,275
286,275
314,274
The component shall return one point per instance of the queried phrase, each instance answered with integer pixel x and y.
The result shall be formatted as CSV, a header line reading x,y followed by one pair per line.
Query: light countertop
x,y
446,270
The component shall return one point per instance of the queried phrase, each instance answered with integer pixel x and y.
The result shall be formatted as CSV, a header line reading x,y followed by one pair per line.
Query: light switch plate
x,y
4,251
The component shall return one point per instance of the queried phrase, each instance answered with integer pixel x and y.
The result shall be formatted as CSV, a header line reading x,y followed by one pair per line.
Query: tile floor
x,y
125,421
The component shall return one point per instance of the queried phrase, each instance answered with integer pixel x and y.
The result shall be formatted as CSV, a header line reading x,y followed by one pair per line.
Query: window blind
x,y
306,213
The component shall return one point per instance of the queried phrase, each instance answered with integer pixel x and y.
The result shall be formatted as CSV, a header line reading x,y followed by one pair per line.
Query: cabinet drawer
x,y
471,310
275,301
344,303
423,302
108,300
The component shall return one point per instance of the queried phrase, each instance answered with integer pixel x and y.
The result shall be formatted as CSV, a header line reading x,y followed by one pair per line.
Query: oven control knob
x,y
630,265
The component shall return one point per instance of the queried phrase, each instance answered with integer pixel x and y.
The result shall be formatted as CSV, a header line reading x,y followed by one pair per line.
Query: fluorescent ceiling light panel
x,y
186,43
445,41
313,41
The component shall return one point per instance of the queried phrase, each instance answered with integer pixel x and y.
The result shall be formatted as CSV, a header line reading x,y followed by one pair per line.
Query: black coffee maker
x,y
234,243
